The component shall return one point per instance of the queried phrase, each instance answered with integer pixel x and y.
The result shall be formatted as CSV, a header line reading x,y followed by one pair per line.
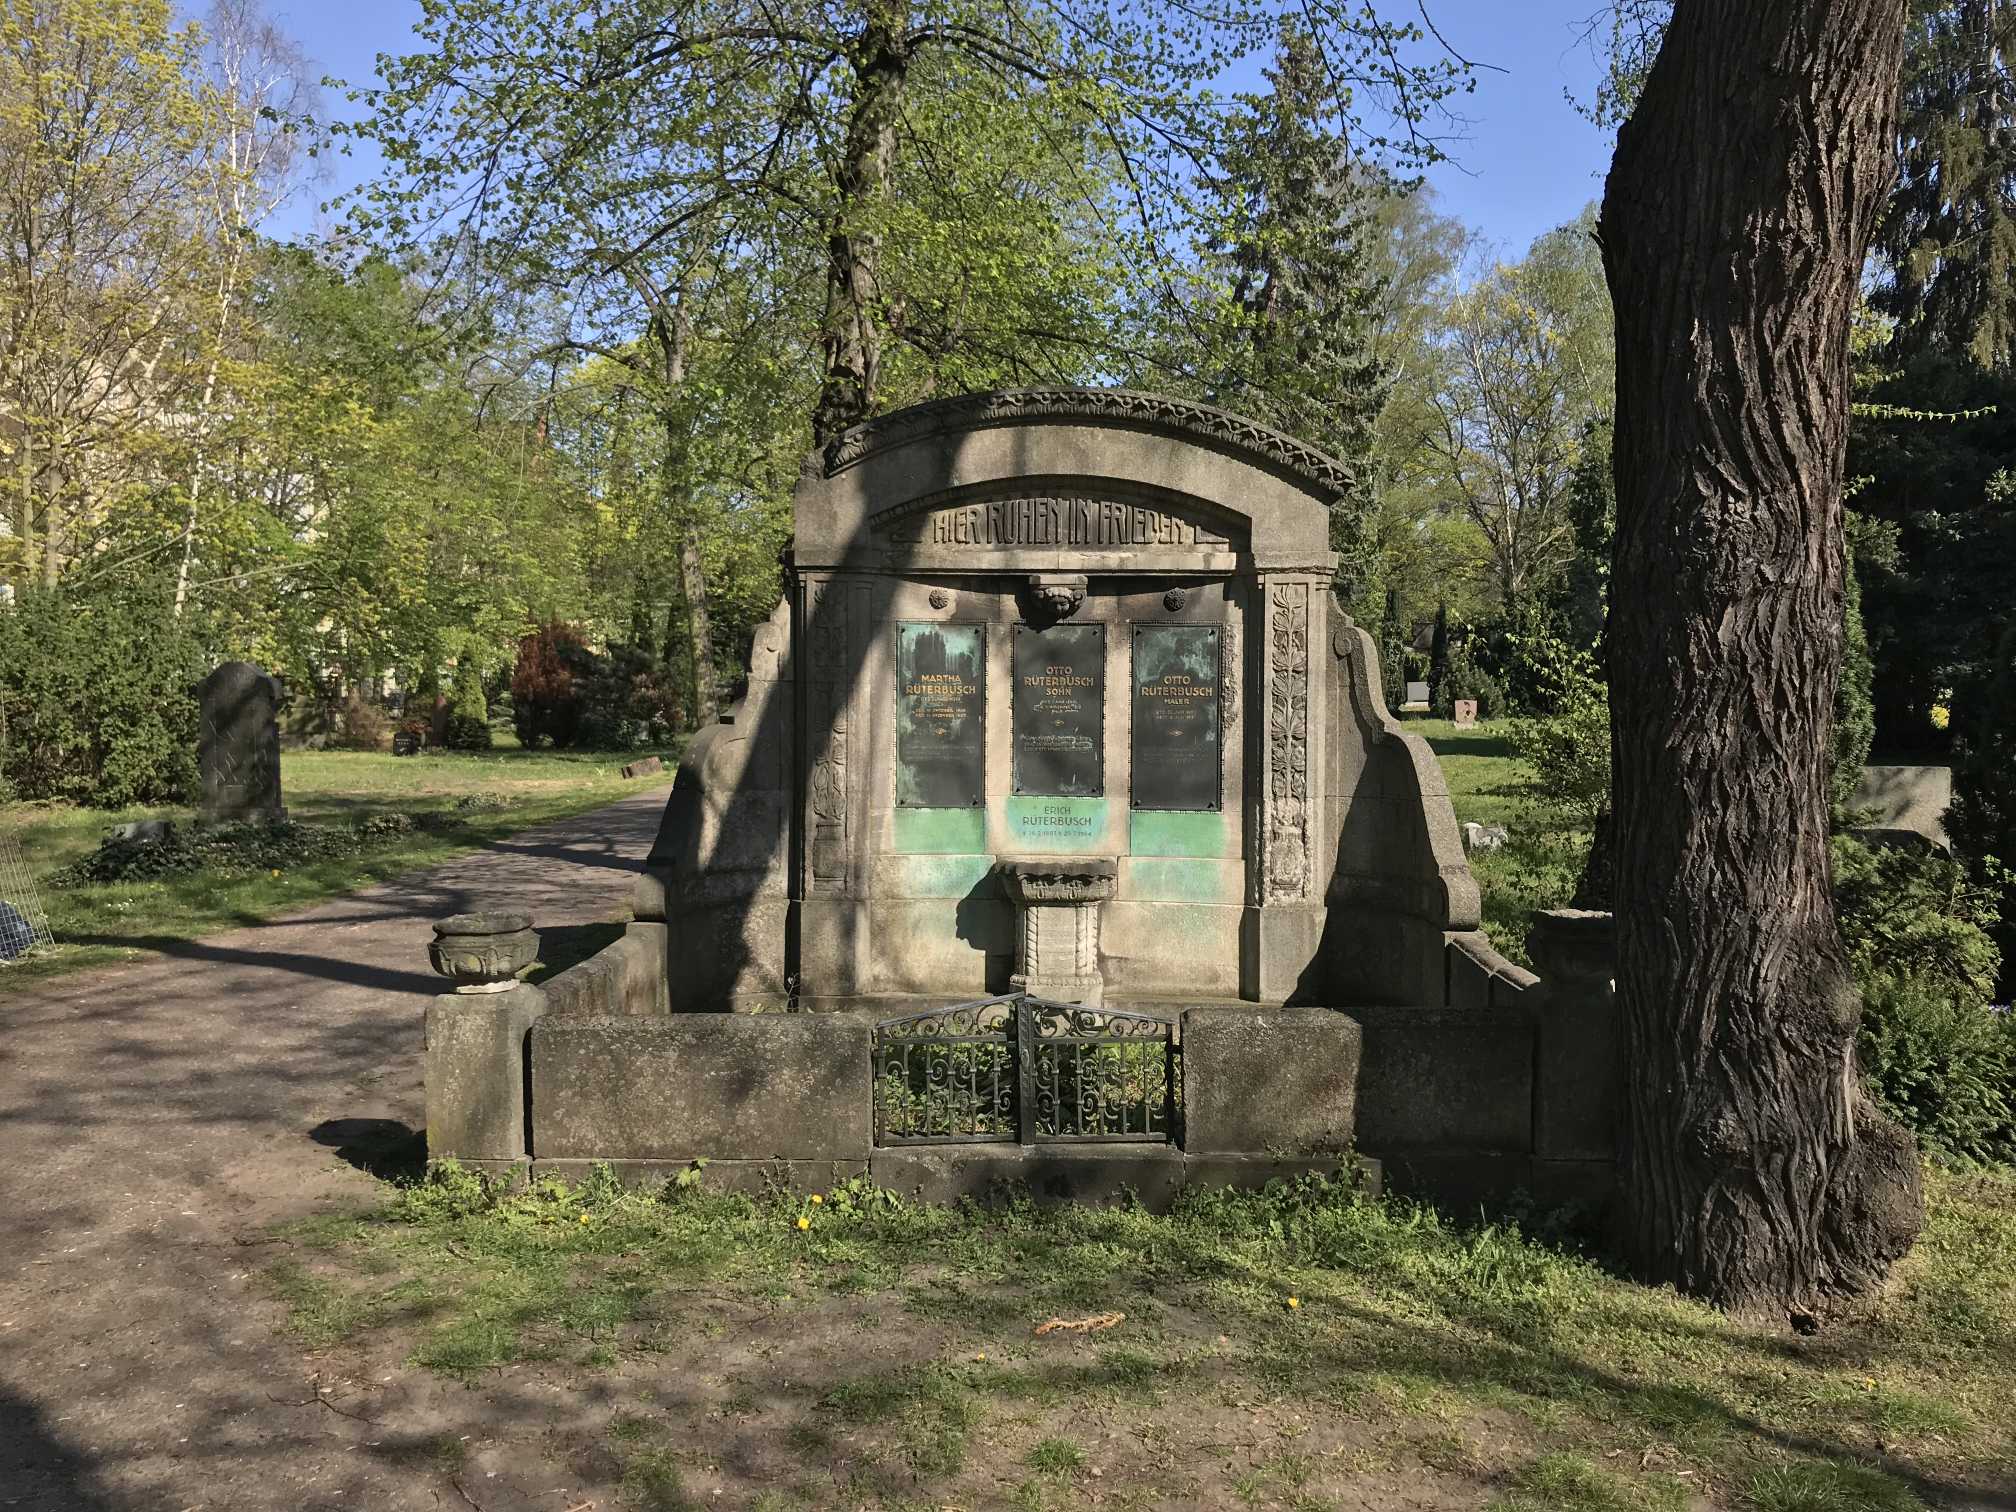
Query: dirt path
x,y
154,1118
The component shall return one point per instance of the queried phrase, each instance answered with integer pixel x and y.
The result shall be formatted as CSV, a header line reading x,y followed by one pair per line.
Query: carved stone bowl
x,y
484,952
1035,881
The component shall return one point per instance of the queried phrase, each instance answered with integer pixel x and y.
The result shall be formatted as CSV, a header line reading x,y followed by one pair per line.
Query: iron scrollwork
x,y
1022,1069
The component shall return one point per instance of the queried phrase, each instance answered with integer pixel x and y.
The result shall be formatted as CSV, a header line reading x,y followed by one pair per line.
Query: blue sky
x,y
1525,161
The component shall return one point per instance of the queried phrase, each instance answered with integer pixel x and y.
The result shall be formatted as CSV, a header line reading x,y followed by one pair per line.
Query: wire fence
x,y
24,922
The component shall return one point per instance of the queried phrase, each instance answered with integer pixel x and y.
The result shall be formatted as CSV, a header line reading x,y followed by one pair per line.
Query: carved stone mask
x,y
1057,595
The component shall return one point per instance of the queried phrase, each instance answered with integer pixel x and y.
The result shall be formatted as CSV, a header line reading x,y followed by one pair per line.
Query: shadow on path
x,y
40,1473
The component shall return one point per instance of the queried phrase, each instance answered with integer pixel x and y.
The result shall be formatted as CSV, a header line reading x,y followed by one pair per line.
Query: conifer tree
x,y
1295,256
1948,231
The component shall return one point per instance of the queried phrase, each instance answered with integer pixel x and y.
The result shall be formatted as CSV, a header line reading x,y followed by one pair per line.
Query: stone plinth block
x,y
1908,798
1269,1080
476,1074
1445,1079
1581,1051
717,1086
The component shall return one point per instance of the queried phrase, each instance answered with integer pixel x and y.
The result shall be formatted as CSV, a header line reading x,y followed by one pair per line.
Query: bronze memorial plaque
x,y
1059,710
1176,717
941,696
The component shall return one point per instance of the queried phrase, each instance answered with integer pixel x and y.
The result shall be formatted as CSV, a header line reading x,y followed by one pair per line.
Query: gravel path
x,y
155,1118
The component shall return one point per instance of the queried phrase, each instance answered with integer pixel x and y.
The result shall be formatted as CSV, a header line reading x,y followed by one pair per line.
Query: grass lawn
x,y
1299,1349
1302,1349
100,923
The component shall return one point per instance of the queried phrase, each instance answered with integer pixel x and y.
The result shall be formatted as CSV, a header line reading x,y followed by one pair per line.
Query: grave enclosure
x,y
1061,834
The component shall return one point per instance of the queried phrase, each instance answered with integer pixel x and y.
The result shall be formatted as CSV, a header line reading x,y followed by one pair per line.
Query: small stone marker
x,y
145,830
406,743
1485,837
1416,701
1466,712
650,766
238,744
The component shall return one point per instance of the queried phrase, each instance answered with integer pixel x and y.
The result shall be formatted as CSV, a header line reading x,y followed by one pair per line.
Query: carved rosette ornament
x,y
1286,857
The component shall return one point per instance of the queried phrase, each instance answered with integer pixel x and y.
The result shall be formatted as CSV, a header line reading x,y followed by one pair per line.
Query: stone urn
x,y
1057,952
484,952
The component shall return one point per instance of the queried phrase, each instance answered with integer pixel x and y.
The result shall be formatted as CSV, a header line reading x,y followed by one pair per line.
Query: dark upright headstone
x,y
1058,712
1176,717
238,747
941,750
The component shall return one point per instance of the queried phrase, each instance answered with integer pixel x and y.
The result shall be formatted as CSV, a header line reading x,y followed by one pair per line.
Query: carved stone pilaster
x,y
830,666
1284,853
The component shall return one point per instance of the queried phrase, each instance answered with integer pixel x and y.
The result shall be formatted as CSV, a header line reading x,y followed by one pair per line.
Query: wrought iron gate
x,y
1025,1070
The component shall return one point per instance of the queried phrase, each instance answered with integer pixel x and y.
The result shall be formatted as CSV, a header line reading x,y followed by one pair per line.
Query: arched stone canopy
x,y
1303,850
1265,492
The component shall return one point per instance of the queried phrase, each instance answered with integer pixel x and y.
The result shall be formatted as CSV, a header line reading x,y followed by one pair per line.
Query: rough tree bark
x,y
1738,210
852,333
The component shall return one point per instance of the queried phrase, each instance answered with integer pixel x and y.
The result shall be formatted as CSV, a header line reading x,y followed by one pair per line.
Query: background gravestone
x,y
238,747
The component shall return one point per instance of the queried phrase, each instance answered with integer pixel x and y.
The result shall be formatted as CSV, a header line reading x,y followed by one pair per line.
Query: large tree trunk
x,y
853,330
1738,210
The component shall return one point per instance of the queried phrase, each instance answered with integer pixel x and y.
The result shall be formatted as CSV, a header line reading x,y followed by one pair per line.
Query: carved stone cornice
x,y
1122,407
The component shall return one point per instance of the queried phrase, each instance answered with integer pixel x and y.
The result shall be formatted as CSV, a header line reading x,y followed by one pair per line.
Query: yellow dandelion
x,y
1942,716
817,1199
1294,1301
804,1223
584,1217
276,871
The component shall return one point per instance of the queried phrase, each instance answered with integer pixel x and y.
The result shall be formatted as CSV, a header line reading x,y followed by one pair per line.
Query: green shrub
x,y
1944,1067
362,725
627,701
1464,676
1569,750
1914,915
545,696
468,711
1854,708
1983,817
1933,1052
97,701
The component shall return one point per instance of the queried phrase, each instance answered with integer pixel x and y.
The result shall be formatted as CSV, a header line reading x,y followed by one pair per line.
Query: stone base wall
x,y
1516,1091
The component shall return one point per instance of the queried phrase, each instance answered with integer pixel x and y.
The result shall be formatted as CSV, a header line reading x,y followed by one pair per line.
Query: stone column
x,y
476,1071
1579,1085
1057,949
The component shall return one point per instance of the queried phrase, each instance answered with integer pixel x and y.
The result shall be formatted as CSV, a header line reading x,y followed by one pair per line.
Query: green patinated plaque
x,y
1176,717
941,700
1055,826
1059,710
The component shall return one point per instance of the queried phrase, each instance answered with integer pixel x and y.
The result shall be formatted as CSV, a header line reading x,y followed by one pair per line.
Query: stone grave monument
x,y
1062,834
1060,673
238,745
